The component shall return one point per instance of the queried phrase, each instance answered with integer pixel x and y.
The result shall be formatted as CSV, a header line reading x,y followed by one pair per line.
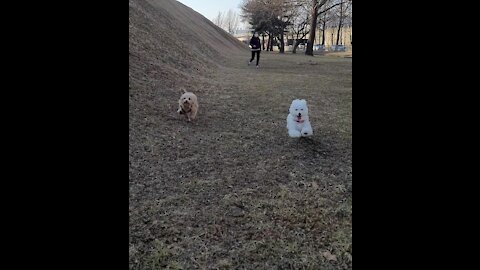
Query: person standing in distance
x,y
255,47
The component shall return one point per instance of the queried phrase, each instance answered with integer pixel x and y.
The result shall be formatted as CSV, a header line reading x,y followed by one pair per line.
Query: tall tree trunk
x,y
338,33
269,41
295,44
263,42
323,31
339,23
341,37
313,26
282,43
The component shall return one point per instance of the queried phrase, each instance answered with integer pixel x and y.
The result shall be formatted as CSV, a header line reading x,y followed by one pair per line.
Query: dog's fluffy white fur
x,y
188,105
298,124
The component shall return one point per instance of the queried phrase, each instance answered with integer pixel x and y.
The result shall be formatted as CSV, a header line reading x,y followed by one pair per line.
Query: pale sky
x,y
210,8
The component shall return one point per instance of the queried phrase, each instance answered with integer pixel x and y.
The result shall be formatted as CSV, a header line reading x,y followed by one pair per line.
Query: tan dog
x,y
188,105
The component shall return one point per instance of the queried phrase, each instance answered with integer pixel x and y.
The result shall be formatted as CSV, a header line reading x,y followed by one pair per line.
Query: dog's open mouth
x,y
299,120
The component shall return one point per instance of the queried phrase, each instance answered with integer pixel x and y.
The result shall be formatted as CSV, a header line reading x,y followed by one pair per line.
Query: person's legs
x,y
253,56
258,57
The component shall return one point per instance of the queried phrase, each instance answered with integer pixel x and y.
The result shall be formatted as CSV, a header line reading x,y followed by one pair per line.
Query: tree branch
x,y
325,10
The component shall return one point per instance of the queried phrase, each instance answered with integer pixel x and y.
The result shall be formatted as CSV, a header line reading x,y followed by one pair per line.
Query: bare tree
x,y
319,7
300,27
219,20
316,5
347,20
339,28
228,21
342,14
325,18
231,21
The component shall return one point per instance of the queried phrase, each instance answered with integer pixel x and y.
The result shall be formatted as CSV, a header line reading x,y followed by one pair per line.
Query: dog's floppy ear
x,y
183,90
304,101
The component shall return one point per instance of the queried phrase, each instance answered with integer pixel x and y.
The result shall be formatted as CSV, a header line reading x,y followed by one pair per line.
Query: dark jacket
x,y
255,43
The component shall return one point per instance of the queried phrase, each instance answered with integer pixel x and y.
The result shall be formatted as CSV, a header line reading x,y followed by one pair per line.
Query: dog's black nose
x,y
299,114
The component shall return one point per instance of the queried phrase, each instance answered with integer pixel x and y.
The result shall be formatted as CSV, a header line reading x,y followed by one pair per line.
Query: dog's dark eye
x,y
301,109
296,109
188,98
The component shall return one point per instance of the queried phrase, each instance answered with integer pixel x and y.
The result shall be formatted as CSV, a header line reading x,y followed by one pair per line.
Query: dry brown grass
x,y
231,190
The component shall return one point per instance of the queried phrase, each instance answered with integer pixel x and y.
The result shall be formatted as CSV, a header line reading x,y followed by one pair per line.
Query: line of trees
x,y
277,18
228,21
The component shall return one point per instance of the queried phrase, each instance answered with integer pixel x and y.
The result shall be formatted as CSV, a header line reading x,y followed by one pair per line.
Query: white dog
x,y
188,105
297,120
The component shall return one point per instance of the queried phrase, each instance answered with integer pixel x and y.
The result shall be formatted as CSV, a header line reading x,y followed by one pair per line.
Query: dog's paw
x,y
294,133
307,132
